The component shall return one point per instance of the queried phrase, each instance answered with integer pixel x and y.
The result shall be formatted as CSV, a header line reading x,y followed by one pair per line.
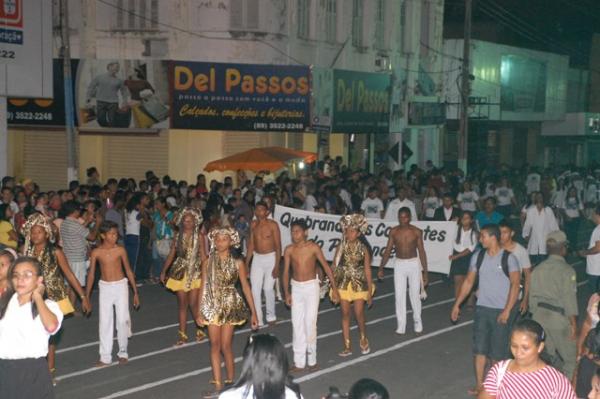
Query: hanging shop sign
x,y
361,102
216,96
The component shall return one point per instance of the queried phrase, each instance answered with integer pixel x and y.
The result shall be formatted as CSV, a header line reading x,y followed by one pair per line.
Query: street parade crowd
x,y
217,246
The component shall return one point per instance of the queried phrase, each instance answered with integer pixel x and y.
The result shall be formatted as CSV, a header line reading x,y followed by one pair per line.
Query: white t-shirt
x,y
22,336
310,202
372,207
468,240
468,200
132,224
532,183
430,204
593,261
520,252
572,207
504,195
238,393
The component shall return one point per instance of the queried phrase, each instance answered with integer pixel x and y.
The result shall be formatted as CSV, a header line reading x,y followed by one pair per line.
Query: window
x,y
136,15
303,19
244,15
357,23
331,21
380,24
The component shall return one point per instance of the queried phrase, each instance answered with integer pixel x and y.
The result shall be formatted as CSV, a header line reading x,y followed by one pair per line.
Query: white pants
x,y
261,278
407,271
113,293
305,307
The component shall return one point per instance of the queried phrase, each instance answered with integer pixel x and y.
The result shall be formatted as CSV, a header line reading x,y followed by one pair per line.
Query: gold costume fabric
x,y
221,303
351,268
187,264
53,277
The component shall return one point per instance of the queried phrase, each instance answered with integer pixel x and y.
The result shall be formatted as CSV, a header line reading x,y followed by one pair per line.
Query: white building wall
x,y
201,30
486,67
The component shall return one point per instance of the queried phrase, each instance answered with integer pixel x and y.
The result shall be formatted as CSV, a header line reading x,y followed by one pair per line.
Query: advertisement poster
x,y
38,111
121,94
215,96
361,102
324,229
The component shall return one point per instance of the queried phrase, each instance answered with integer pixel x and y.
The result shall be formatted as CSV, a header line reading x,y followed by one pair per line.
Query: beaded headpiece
x,y
37,219
355,221
229,231
198,219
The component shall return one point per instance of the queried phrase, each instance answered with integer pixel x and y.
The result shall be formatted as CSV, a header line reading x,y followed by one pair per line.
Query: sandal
x,y
347,351
200,335
364,345
215,392
183,338
227,383
53,376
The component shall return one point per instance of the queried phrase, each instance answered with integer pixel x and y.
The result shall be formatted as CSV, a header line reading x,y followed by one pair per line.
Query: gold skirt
x,y
66,307
350,295
180,285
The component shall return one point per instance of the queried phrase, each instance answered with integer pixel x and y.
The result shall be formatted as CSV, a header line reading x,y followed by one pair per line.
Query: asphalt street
x,y
435,364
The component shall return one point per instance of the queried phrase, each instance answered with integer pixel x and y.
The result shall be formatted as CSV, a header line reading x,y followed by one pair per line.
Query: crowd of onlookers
x,y
532,201
144,209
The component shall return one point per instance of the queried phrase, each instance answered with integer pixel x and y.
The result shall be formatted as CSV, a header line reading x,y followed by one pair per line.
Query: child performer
x,y
221,306
302,256
27,320
114,266
7,256
184,267
352,274
38,244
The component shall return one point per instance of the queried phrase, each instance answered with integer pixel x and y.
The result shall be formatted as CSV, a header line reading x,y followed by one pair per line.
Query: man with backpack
x,y
499,280
553,303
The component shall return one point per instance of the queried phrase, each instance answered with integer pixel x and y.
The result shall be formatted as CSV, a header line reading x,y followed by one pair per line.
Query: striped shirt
x,y
545,383
74,239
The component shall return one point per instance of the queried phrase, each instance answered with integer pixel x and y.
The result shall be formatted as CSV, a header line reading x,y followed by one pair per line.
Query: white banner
x,y
325,230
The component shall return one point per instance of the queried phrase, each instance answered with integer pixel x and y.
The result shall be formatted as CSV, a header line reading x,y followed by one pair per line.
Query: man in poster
x,y
105,89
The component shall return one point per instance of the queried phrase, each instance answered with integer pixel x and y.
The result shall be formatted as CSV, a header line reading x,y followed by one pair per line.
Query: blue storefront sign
x,y
216,96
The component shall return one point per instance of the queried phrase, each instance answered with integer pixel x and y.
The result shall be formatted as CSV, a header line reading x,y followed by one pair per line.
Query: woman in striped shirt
x,y
526,376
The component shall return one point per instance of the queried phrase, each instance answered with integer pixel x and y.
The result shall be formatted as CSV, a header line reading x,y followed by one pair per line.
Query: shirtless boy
x,y
264,249
114,265
406,240
302,256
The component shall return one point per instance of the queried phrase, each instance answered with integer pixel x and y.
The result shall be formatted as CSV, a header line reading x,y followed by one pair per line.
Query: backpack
x,y
503,262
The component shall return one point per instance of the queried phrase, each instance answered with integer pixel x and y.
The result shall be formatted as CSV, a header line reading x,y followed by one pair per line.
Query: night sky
x,y
559,26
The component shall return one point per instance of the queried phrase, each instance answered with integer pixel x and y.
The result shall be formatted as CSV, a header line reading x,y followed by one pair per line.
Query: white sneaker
x,y
418,327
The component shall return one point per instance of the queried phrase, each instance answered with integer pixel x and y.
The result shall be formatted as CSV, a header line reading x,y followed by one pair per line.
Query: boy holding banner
x,y
302,256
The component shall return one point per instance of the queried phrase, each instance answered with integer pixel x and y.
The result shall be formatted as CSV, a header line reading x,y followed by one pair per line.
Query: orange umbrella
x,y
257,159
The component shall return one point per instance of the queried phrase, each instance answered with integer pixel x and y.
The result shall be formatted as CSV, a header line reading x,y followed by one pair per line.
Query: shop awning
x,y
258,159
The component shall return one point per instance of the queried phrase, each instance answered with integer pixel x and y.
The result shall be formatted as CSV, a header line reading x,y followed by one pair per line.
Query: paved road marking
x,y
288,345
380,352
166,327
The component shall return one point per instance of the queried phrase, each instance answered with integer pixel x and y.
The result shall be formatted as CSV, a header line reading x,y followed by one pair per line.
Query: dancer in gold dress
x,y
352,274
221,306
55,268
182,270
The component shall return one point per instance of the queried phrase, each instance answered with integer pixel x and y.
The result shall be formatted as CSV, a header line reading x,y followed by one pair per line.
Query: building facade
x,y
399,37
514,91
